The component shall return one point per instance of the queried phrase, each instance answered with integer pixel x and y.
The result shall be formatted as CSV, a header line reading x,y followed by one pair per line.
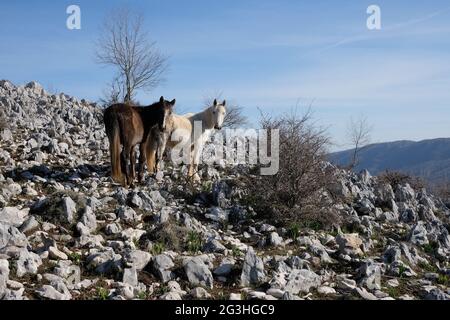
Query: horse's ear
x,y
161,99
224,102
173,102
215,103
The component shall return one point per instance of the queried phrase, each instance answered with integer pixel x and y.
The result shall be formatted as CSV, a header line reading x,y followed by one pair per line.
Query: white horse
x,y
188,133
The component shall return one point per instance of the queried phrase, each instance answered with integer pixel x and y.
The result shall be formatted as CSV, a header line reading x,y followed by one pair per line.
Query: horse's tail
x,y
112,127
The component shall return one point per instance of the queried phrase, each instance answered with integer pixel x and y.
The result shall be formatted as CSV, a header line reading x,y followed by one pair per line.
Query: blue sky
x,y
268,54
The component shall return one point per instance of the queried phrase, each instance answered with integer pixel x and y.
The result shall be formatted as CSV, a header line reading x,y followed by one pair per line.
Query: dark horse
x,y
128,126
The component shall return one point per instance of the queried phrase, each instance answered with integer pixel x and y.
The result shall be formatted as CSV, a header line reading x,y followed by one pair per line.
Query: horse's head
x,y
218,113
165,114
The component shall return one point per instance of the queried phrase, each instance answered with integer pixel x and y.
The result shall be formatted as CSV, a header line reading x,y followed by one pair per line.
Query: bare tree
x,y
234,117
125,45
358,133
113,93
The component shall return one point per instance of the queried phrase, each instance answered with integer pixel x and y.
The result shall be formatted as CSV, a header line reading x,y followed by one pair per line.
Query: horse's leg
x,y
126,154
123,162
115,152
151,154
132,164
192,167
158,151
142,160
162,142
195,160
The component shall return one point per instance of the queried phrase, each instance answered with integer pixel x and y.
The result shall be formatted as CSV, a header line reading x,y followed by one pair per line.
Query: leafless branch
x,y
358,134
125,45
294,194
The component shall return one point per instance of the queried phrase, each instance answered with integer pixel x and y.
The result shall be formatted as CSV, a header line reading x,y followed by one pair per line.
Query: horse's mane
x,y
150,109
149,106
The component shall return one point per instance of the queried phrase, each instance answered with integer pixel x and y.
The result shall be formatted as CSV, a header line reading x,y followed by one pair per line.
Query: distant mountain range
x,y
429,159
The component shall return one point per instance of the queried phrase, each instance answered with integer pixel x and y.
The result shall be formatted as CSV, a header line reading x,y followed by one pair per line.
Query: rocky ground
x,y
68,232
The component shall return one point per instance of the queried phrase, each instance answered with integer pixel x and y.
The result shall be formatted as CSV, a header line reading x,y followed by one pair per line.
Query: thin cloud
x,y
396,27
413,22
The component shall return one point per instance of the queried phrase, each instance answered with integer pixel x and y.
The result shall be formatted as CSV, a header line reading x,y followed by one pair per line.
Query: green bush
x,y
168,236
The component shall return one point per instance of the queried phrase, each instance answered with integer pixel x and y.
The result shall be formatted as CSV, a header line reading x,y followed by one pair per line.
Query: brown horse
x,y
128,126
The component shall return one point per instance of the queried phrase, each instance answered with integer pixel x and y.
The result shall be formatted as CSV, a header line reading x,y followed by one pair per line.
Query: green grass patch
x,y
194,241
294,230
102,293
158,248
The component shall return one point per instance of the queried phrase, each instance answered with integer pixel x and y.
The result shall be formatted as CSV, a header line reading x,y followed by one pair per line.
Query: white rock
x,y
127,214
198,273
51,293
89,219
54,253
277,293
274,239
235,296
170,296
13,216
69,209
393,283
257,294
349,244
302,281
326,290
225,268
137,259
200,293
161,265
365,294
346,284
253,269
130,277
28,262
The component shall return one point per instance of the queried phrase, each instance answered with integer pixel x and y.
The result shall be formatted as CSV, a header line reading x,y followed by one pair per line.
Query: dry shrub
x,y
234,117
295,195
170,235
443,191
396,178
